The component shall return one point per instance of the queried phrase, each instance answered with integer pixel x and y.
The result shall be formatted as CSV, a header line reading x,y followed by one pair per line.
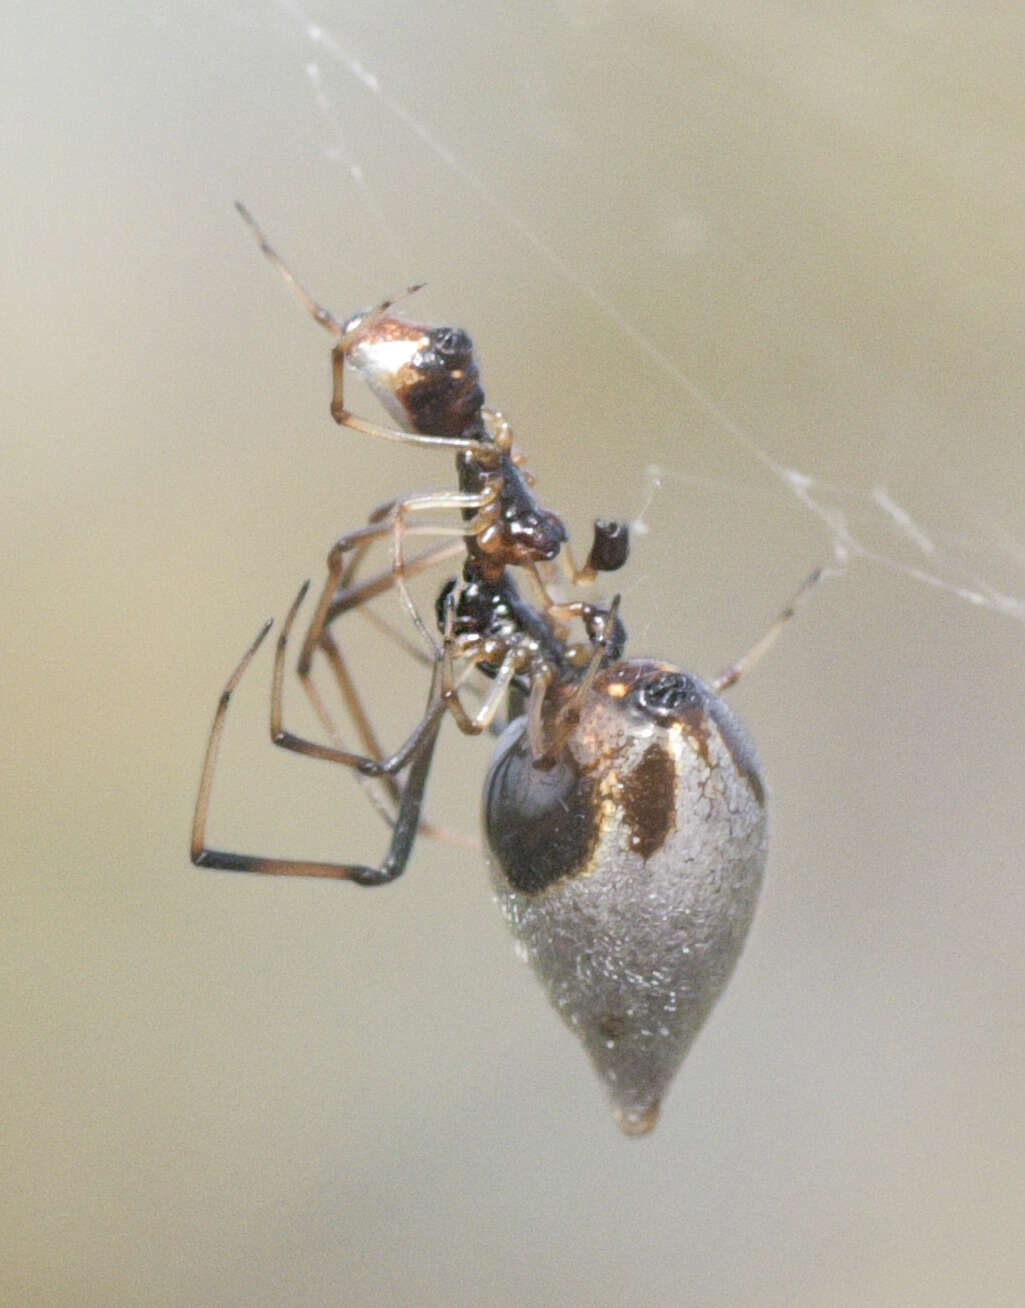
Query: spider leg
x,y
371,786
346,418
368,736
348,597
731,675
366,764
321,315
317,311
346,685
352,595
492,702
391,522
403,832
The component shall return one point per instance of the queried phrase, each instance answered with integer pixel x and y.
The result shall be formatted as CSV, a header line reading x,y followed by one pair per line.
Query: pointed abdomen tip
x,y
634,1121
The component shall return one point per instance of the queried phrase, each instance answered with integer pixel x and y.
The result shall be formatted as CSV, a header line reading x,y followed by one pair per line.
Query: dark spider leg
x,y
403,833
363,763
348,595
344,682
369,740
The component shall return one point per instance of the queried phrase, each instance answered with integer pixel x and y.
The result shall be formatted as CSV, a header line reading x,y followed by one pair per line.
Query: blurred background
x,y
748,273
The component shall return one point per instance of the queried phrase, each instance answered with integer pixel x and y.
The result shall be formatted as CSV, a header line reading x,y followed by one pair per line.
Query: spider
x,y
624,809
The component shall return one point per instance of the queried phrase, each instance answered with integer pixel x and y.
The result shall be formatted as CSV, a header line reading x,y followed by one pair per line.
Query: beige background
x,y
221,1089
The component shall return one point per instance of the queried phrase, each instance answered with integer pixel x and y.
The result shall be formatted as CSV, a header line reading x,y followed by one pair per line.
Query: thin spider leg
x,y
535,713
492,702
317,311
369,739
486,504
399,572
353,705
351,596
321,315
731,675
199,852
388,629
570,710
364,728
359,552
356,543
514,661
316,628
346,597
367,765
367,736
407,646
346,418
419,562
403,833
372,531
487,512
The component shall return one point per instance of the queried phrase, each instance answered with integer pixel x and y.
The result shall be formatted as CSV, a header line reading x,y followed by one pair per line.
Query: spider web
x,y
353,70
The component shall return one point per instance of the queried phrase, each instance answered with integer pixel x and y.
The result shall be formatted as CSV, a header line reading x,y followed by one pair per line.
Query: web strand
x,y
929,565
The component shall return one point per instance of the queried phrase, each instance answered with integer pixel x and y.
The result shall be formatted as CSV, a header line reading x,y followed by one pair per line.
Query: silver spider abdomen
x,y
629,870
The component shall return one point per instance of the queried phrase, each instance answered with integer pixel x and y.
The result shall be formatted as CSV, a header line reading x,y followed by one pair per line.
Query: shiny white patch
x,y
378,361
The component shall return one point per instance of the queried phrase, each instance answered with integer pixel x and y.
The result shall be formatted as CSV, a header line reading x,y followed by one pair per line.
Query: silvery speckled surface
x,y
634,952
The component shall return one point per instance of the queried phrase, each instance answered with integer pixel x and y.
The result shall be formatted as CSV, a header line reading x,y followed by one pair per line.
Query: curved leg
x,y
346,418
386,804
368,736
350,594
351,597
485,715
403,832
367,765
391,522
